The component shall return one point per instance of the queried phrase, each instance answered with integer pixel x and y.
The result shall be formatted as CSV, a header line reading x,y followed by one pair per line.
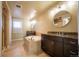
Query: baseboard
x,y
17,39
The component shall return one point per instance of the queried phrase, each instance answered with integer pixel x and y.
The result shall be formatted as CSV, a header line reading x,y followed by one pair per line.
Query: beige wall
x,y
0,27
45,23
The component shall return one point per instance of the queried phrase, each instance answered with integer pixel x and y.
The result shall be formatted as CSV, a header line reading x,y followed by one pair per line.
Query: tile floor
x,y
17,50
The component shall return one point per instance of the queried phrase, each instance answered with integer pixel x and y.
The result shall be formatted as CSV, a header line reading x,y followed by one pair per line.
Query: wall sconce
x,y
33,24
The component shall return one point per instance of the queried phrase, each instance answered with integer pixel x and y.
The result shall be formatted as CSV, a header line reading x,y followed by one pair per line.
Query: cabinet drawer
x,y
68,53
73,53
71,41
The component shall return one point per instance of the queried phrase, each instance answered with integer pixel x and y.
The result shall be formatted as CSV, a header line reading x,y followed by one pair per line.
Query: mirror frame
x,y
58,14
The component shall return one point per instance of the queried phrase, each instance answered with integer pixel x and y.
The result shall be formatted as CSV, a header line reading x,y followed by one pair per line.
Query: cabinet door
x,y
58,46
66,50
47,44
44,42
70,47
50,45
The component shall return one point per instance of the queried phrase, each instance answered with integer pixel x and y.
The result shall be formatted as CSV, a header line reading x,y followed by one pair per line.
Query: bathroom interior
x,y
38,29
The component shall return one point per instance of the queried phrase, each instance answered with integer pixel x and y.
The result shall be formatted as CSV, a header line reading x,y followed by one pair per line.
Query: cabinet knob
x,y
71,42
52,42
72,52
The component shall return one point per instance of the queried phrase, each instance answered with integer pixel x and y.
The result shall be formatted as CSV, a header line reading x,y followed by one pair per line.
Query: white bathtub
x,y
32,44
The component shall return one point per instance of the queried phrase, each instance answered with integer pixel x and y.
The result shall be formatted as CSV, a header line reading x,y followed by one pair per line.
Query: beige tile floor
x,y
17,50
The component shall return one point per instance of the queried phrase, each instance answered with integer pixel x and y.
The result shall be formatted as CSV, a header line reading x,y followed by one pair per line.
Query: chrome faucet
x,y
32,38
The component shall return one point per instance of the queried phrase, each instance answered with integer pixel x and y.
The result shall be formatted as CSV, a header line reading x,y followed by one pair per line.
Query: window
x,y
17,24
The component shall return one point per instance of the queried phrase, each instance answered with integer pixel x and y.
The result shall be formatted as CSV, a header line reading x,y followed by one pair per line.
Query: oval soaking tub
x,y
32,44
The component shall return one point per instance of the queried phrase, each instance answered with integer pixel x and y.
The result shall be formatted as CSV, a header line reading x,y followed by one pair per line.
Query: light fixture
x,y
33,23
32,14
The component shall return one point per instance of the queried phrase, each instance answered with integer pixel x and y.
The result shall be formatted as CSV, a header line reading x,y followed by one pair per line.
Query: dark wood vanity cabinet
x,y
48,44
52,45
70,47
57,46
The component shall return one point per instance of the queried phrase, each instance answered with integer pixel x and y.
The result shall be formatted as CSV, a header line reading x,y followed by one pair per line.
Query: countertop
x,y
65,36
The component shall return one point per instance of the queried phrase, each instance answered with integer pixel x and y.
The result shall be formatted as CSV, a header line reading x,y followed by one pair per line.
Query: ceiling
x,y
28,6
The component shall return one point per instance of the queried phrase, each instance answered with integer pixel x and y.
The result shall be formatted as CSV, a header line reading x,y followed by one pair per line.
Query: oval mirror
x,y
62,18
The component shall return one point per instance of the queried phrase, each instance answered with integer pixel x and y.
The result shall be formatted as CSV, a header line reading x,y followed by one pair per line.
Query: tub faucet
x,y
32,38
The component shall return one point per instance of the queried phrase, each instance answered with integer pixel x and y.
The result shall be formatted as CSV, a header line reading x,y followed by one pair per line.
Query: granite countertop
x,y
65,36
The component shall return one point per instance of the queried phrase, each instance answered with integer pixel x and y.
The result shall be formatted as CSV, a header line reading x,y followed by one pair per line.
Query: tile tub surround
x,y
32,44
